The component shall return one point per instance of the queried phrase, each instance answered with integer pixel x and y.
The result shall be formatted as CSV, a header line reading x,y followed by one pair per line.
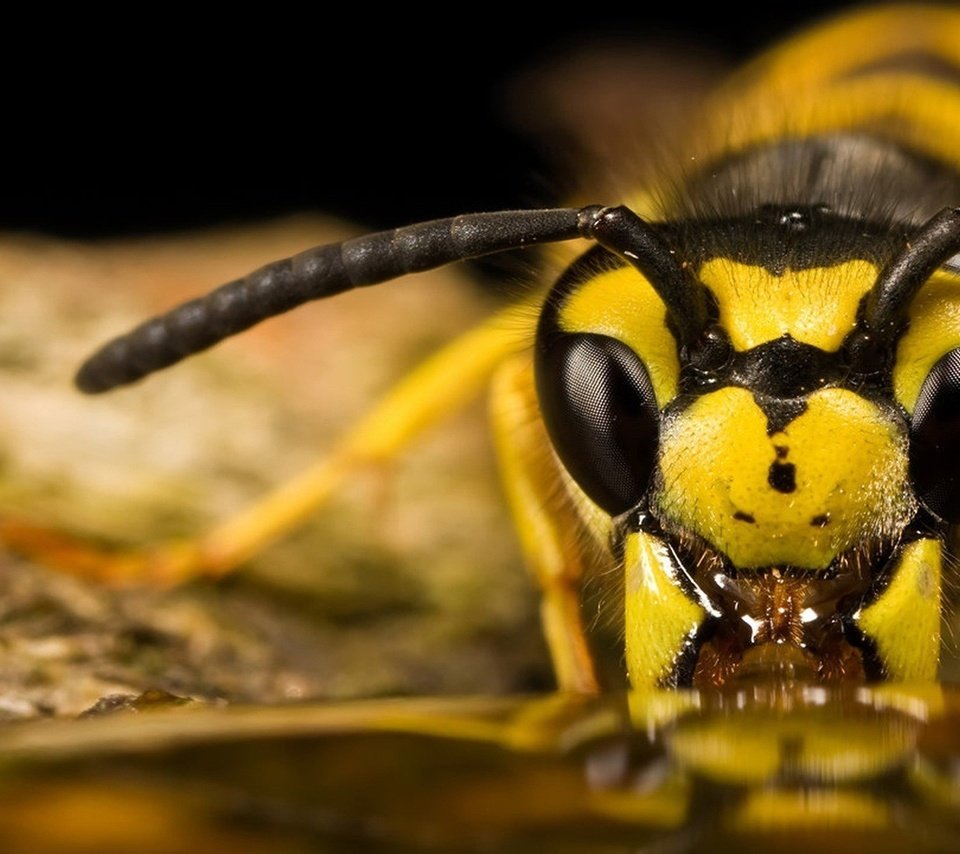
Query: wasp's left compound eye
x,y
934,436
601,413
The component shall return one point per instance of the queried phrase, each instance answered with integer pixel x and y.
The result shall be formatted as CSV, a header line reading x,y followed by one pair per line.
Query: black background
x,y
120,127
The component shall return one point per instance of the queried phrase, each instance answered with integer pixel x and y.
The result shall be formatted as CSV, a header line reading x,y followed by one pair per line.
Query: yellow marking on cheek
x,y
817,306
933,331
904,622
718,481
659,616
622,304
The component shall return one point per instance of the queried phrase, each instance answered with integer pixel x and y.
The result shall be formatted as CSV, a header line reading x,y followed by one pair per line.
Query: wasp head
x,y
776,484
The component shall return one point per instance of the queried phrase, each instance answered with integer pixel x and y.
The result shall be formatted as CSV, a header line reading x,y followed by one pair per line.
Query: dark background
x,y
124,128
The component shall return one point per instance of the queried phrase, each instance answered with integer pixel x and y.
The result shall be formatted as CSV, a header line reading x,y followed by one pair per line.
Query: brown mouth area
x,y
782,623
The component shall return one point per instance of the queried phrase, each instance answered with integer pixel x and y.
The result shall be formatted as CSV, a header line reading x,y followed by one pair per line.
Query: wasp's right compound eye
x,y
934,435
601,413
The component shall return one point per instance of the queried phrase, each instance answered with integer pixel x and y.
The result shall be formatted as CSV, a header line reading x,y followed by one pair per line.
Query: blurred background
x,y
181,123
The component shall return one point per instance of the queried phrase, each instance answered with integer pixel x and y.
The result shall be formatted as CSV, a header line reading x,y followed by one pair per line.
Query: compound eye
x,y
935,439
601,413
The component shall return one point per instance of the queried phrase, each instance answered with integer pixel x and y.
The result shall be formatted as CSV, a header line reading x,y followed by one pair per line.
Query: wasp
x,y
743,394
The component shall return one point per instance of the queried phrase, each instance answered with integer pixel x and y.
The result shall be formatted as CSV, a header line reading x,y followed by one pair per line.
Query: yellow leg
x,y
545,520
438,388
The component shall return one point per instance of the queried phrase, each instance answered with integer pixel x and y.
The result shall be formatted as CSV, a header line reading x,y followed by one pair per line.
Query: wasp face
x,y
797,489
761,483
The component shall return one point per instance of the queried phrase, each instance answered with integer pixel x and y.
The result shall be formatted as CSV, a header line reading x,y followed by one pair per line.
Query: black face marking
x,y
782,451
780,374
820,521
783,477
785,367
740,516
780,413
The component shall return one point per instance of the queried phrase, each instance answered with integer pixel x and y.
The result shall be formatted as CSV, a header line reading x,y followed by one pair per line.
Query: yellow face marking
x,y
659,616
815,306
934,330
905,621
725,479
623,305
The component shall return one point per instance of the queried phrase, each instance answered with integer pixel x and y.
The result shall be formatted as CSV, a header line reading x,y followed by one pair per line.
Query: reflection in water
x,y
759,768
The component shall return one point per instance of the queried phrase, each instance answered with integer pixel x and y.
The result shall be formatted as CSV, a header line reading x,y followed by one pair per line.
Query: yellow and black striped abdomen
x,y
863,114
